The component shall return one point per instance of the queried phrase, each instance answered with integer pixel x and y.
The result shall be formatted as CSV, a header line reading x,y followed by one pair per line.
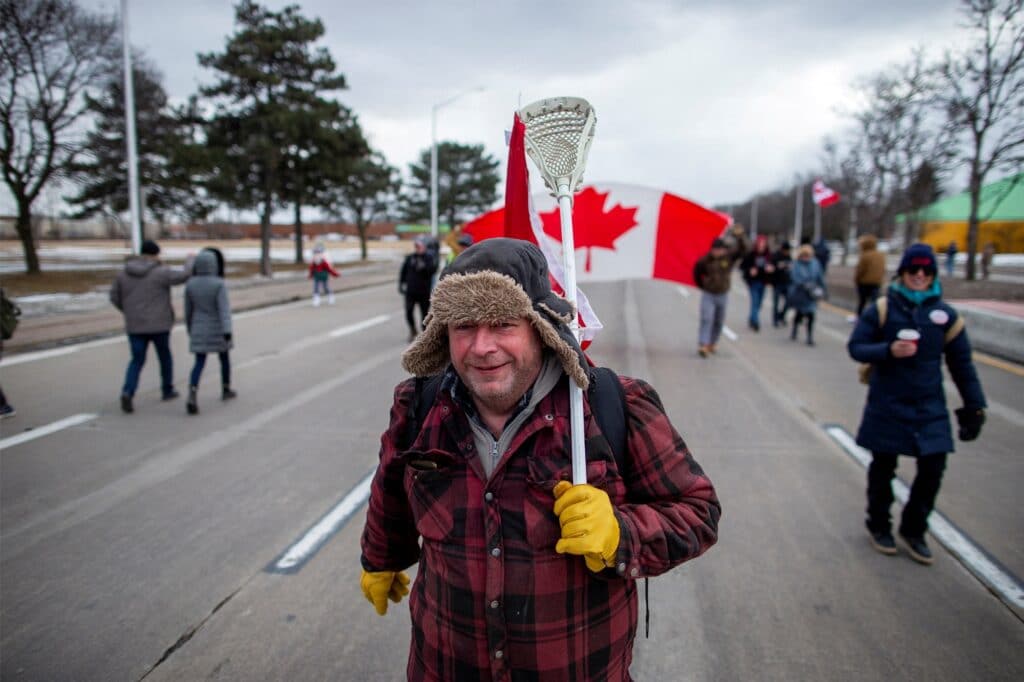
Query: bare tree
x,y
51,54
984,98
367,193
900,136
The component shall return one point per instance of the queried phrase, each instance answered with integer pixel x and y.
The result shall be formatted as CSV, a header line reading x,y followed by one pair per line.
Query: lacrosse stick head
x,y
559,131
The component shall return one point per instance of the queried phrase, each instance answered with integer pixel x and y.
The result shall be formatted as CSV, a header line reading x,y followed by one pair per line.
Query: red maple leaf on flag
x,y
592,225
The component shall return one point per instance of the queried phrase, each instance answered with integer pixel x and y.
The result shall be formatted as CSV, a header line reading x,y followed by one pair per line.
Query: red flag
x,y
627,232
823,196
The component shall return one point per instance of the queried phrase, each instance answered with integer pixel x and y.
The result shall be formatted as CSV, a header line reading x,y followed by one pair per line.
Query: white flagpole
x,y
579,454
798,221
129,118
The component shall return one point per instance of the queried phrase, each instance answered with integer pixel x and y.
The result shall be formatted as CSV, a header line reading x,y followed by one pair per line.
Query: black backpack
x,y
605,394
9,314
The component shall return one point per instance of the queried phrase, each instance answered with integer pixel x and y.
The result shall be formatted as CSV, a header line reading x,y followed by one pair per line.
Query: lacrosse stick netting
x,y
559,131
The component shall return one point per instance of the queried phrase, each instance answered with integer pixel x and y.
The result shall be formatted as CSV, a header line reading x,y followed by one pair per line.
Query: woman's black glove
x,y
227,337
970,420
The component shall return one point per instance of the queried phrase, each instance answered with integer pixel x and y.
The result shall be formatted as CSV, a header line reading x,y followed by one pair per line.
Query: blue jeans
x,y
778,303
225,369
321,285
712,317
756,296
139,343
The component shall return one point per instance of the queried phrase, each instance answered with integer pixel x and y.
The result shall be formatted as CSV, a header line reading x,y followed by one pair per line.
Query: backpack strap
x,y
423,397
882,304
608,404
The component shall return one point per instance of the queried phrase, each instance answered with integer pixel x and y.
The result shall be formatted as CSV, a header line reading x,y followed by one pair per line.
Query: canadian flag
x,y
620,231
522,222
823,196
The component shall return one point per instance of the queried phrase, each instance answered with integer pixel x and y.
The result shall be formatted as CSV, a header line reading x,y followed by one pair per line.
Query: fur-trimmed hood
x,y
496,280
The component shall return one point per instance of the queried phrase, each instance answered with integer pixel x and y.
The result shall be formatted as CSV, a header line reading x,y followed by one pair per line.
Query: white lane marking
x,y
359,326
304,344
999,581
39,355
41,431
179,327
683,291
170,463
730,334
316,536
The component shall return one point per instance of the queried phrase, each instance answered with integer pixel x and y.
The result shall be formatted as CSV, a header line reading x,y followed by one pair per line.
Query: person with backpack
x,y
142,292
806,288
520,573
9,314
905,336
208,321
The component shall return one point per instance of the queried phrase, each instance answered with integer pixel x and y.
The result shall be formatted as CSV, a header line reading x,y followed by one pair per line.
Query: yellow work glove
x,y
380,586
589,526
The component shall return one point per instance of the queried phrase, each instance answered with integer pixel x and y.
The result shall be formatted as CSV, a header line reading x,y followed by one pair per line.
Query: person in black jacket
x,y
782,259
906,410
757,270
414,282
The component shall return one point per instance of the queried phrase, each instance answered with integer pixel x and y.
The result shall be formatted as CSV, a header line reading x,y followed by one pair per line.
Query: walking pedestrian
x,y
520,574
806,288
986,259
208,320
757,269
320,271
712,274
822,254
142,292
9,314
783,261
870,271
414,282
951,252
906,412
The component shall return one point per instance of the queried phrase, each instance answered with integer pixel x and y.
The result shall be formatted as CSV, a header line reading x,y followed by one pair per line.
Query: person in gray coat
x,y
142,292
208,319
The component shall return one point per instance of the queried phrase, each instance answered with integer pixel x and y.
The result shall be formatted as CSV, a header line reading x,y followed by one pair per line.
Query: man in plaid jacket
x,y
521,575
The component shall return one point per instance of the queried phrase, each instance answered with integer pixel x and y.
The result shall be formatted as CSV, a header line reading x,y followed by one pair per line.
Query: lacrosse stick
x,y
558,136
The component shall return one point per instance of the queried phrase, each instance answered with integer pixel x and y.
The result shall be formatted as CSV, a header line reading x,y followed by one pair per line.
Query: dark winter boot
x,y
226,393
792,334
192,407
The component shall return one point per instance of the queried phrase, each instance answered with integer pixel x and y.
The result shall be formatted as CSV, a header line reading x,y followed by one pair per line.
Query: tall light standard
x,y
129,117
433,154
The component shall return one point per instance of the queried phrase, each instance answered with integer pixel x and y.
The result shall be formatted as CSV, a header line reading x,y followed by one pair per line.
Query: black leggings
x,y
225,369
410,303
923,492
866,293
810,324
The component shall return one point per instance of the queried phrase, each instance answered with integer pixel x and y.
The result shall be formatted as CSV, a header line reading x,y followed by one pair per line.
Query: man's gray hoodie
x,y
142,291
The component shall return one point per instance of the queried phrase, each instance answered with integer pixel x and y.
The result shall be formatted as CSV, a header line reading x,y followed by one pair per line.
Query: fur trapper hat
x,y
496,280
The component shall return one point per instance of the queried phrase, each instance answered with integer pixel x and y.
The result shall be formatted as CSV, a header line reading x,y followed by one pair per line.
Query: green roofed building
x,y
1000,214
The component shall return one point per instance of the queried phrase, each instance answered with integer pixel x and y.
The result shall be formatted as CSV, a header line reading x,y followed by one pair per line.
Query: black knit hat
x,y
918,255
150,247
496,280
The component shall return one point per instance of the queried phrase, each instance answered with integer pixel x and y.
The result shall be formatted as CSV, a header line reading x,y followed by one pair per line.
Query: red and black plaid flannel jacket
x,y
492,600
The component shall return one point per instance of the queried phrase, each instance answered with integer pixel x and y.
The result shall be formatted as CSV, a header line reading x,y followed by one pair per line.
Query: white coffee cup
x,y
911,335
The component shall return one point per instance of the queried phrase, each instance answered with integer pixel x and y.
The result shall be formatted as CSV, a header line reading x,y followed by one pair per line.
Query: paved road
x,y
145,545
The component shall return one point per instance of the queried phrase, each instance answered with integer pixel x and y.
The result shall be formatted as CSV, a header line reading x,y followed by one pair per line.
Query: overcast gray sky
x,y
714,101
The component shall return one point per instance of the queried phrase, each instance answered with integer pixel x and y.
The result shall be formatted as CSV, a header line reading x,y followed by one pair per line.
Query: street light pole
x,y
433,155
129,117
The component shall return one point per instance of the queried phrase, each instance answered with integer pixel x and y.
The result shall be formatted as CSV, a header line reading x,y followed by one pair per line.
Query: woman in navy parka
x,y
906,410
